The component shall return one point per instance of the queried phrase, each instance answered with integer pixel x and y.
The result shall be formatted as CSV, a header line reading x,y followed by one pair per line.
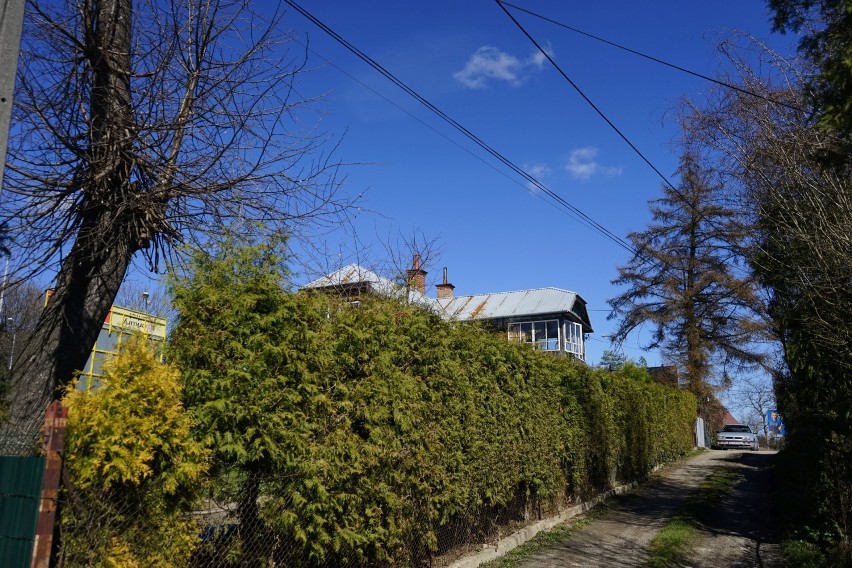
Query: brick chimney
x,y
417,276
445,289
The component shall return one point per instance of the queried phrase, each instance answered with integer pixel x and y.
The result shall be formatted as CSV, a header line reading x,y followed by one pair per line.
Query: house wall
x,y
119,326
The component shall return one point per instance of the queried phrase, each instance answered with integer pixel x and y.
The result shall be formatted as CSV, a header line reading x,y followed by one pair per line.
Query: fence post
x,y
54,436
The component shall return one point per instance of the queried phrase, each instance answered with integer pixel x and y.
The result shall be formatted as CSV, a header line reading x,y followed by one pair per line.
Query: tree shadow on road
x,y
746,509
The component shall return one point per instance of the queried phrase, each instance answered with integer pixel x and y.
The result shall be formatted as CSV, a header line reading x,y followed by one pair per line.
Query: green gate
x,y
20,496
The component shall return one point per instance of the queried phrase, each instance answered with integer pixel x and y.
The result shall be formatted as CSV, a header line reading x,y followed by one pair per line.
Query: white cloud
x,y
490,63
539,172
538,58
582,164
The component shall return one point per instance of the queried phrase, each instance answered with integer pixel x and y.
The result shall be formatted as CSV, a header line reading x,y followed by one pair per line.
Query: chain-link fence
x,y
21,440
244,522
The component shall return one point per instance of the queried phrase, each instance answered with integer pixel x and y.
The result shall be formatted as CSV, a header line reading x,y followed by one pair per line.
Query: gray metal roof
x,y
537,301
534,302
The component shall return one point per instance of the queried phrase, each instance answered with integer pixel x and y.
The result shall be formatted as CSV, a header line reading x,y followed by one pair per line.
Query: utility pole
x,y
11,20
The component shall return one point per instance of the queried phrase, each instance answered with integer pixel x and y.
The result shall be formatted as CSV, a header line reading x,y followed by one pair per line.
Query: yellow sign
x,y
136,322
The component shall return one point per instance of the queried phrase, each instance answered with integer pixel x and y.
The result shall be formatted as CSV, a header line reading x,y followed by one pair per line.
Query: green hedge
x,y
362,435
400,423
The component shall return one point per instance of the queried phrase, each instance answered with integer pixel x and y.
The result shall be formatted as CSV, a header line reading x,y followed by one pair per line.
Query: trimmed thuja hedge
x,y
359,434
374,435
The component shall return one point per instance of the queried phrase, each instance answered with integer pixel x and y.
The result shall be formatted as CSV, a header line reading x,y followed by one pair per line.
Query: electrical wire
x,y
585,97
684,201
575,211
424,123
651,57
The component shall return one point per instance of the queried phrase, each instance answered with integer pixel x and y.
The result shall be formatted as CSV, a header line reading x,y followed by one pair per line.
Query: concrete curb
x,y
491,552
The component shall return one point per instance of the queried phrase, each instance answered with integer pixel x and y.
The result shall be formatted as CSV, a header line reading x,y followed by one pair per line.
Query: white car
x,y
737,436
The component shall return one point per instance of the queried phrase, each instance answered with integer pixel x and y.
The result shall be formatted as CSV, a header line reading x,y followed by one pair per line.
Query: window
x,y
574,343
542,335
526,332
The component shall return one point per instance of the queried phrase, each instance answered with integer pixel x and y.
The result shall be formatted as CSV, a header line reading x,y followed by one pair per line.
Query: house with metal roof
x,y
549,319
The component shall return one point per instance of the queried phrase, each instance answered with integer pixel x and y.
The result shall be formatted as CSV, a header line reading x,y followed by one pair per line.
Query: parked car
x,y
737,436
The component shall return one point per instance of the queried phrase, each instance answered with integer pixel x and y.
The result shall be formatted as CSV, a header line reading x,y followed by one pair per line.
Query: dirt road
x,y
737,531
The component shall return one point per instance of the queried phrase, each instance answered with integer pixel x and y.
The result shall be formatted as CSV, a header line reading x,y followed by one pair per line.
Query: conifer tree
x,y
134,470
685,280
824,28
242,365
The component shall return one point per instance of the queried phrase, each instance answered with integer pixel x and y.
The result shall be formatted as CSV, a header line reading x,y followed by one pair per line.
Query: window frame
x,y
526,332
575,339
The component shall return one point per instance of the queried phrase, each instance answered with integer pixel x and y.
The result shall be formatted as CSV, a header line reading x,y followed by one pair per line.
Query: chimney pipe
x,y
417,276
445,289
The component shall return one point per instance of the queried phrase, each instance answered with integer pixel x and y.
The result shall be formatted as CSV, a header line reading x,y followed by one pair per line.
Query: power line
x,y
652,58
425,124
579,214
684,201
585,97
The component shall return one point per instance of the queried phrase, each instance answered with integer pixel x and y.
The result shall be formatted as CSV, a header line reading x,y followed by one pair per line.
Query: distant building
x,y
549,319
119,325
667,375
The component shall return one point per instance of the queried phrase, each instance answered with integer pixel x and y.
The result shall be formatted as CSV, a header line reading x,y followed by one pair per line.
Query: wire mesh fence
x,y
21,439
244,522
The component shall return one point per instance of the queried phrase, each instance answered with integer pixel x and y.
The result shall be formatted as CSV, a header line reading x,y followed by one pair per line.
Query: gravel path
x,y
737,532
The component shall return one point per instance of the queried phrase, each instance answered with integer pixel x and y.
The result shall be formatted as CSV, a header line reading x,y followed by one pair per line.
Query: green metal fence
x,y
30,466
20,497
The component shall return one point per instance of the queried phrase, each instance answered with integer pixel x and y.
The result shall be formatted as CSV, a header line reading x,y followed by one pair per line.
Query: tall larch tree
x,y
685,281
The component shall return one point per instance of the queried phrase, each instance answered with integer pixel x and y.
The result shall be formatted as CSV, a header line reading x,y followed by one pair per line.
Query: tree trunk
x,y
256,542
109,233
89,280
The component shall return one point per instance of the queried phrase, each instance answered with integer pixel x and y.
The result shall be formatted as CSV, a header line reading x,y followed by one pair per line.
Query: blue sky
x,y
471,61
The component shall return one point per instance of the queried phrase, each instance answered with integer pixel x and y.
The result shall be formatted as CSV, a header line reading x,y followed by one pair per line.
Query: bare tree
x,y
751,397
21,307
150,298
140,125
824,28
406,249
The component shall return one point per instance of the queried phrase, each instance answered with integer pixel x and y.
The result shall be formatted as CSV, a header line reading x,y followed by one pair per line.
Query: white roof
x,y
354,275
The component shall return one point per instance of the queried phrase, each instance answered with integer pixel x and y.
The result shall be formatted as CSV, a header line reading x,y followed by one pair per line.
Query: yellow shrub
x,y
134,467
